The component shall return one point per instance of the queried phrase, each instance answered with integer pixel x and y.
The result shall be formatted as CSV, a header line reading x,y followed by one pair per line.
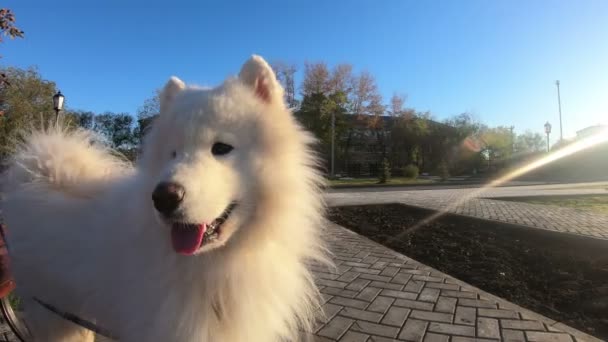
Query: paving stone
x,y
361,315
381,339
332,283
535,336
329,276
413,304
357,264
414,286
398,294
452,329
465,315
352,336
381,304
375,277
431,337
509,335
357,304
443,286
368,293
358,284
413,330
458,294
349,276
383,285
432,316
336,327
429,295
375,329
477,303
469,339
330,310
366,270
396,316
338,292
446,304
521,325
486,327
428,278
497,313
401,278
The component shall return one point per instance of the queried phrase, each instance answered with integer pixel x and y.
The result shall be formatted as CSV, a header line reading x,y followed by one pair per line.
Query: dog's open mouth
x,y
187,238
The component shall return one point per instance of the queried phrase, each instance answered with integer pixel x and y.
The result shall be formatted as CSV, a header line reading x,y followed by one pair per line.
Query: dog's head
x,y
206,151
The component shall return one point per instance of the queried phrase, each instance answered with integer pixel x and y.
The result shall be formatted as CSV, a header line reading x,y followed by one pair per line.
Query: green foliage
x,y
385,172
411,171
443,170
315,114
497,142
530,142
24,102
117,128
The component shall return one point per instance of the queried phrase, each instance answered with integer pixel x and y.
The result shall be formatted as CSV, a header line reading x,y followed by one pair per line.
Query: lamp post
x,y
58,105
548,131
559,106
333,137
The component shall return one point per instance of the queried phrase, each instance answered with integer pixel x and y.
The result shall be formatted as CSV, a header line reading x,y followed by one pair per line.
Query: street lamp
x,y
333,138
58,104
559,105
548,131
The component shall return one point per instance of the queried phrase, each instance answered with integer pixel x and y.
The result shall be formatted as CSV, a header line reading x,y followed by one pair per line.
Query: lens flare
x,y
573,148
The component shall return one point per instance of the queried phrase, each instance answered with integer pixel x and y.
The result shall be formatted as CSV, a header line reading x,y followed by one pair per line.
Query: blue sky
x,y
496,59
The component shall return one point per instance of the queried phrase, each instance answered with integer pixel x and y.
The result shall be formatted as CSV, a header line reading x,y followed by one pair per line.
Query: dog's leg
x,y
47,326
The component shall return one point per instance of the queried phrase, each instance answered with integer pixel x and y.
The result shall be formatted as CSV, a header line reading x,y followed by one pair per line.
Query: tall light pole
x,y
548,131
333,136
58,105
559,104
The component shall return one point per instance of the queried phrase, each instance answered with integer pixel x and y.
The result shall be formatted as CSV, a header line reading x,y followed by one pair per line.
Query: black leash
x,y
77,320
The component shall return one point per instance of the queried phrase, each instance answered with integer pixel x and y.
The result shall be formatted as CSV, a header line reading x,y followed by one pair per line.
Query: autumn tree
x,y
7,29
286,76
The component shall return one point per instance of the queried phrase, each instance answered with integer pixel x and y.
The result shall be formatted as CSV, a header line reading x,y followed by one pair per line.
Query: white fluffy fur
x,y
84,235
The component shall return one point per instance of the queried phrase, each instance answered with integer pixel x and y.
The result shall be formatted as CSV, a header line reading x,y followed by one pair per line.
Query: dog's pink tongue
x,y
187,240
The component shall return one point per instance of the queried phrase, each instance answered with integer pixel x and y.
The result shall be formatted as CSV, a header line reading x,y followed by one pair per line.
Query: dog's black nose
x,y
167,196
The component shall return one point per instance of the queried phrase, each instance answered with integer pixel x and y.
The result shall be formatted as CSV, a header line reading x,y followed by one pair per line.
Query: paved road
x,y
486,204
376,294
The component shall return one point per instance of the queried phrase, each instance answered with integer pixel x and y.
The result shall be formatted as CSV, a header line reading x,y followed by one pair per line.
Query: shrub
x,y
444,172
385,172
411,171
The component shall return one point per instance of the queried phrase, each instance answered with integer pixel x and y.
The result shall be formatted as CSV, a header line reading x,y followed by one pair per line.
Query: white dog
x,y
206,239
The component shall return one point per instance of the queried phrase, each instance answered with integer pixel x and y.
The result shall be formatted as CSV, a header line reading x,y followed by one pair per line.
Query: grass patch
x,y
595,203
15,301
374,181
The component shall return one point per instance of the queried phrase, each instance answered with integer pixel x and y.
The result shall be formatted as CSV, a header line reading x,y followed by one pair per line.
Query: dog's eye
x,y
173,154
220,149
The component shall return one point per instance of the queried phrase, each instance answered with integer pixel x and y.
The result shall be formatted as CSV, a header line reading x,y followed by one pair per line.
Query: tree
x,y
529,142
80,118
396,105
117,128
286,75
497,143
26,101
7,28
145,114
316,77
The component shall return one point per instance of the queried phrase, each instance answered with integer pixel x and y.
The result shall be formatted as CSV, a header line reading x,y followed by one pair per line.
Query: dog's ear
x,y
173,86
258,75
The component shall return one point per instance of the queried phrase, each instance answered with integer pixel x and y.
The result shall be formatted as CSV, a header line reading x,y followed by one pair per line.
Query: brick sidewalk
x,y
376,294
473,203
